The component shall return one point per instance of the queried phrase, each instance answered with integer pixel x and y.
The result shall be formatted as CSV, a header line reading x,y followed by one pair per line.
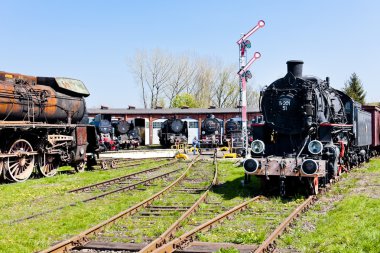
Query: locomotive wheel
x,y
79,167
48,165
19,168
104,165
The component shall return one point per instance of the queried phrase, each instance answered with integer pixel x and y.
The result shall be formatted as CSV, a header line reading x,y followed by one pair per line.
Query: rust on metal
x,y
286,167
82,238
73,85
118,179
169,233
265,246
188,237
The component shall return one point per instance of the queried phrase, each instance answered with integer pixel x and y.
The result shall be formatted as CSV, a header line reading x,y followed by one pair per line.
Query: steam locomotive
x,y
40,124
115,134
311,133
126,134
211,132
105,133
173,131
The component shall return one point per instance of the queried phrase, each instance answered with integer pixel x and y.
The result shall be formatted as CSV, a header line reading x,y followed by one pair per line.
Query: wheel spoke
x,y
20,168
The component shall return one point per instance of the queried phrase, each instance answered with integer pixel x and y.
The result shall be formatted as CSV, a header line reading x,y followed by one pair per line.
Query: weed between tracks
x,y
344,220
47,193
250,226
151,222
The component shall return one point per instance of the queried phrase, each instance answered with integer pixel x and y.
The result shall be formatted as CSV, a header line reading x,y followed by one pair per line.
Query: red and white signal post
x,y
244,75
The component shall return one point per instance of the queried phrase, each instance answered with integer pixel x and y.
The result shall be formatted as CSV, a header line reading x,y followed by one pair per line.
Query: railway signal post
x,y
244,75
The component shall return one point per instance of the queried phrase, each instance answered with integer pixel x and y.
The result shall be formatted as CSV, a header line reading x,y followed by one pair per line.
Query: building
x,y
151,119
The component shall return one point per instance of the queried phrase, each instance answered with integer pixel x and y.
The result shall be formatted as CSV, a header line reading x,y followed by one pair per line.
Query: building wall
x,y
198,116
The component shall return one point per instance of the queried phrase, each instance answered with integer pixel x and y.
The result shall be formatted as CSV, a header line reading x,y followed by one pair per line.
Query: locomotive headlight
x,y
251,165
203,132
309,167
315,147
216,132
257,146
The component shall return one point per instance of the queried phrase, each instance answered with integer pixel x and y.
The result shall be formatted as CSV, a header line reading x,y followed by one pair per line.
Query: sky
x,y
93,41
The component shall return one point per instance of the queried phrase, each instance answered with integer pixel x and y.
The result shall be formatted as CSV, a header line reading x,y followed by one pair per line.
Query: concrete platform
x,y
137,154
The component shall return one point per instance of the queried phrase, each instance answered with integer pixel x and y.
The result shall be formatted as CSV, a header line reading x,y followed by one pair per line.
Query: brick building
x,y
151,118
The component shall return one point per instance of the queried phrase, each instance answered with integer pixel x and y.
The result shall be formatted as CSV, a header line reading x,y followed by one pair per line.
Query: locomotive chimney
x,y
295,67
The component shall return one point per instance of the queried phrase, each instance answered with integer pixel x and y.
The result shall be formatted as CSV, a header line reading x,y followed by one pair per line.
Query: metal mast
x,y
244,75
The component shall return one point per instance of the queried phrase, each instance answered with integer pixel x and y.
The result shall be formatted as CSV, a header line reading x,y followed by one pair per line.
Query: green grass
x,y
351,224
31,196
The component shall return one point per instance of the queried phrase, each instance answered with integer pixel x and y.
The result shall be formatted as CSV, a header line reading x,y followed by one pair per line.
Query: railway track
x,y
119,179
83,238
114,163
116,185
174,240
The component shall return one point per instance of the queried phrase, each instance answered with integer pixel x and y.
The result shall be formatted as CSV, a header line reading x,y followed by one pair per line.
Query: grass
x,y
139,228
45,193
349,224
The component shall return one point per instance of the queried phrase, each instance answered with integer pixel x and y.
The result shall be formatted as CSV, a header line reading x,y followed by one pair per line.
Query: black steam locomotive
x,y
126,134
311,132
211,132
41,125
105,133
173,131
232,129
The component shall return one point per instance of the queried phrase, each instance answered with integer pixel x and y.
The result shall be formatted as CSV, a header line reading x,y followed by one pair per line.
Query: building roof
x,y
116,111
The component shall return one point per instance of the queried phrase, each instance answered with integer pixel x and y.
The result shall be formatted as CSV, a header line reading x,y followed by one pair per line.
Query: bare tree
x,y
162,77
181,77
152,71
225,92
137,67
253,97
204,79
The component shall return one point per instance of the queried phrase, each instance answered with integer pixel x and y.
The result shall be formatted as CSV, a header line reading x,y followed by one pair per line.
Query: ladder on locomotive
x,y
30,110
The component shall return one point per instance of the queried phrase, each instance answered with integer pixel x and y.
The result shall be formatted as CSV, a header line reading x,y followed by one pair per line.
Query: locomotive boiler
x,y
40,124
311,132
173,131
211,132
126,134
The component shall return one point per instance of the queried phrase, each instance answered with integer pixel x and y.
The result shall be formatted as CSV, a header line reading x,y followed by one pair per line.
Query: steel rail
x,y
189,236
125,188
82,238
169,233
267,244
121,162
118,179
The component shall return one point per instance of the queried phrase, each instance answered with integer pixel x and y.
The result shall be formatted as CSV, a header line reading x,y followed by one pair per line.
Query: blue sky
x,y
92,40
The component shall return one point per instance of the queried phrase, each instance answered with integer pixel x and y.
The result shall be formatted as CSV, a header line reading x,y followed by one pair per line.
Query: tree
x,y
182,74
184,99
225,92
354,88
152,71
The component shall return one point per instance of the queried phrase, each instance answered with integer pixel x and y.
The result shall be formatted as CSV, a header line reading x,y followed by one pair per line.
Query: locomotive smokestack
x,y
295,67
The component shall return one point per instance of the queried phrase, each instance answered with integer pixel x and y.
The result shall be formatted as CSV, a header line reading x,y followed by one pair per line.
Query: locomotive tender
x,y
311,132
173,131
40,125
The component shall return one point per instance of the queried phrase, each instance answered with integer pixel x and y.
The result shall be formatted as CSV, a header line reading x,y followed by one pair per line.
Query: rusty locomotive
x,y
311,132
41,126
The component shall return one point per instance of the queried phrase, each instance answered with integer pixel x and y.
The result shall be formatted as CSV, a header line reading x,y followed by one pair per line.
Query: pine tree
x,y
354,88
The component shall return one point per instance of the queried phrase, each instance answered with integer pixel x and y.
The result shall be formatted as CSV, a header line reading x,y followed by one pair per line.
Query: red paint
x,y
332,124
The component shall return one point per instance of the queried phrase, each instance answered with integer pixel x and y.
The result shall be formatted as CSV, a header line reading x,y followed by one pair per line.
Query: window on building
x,y
193,124
157,124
